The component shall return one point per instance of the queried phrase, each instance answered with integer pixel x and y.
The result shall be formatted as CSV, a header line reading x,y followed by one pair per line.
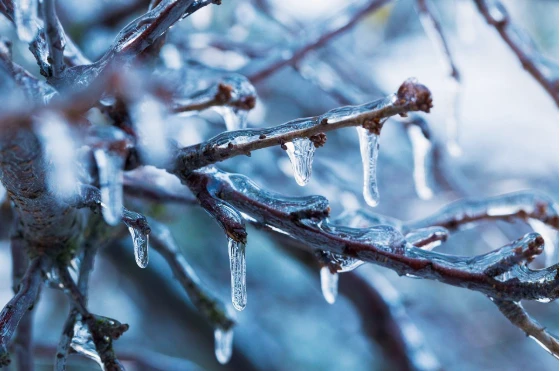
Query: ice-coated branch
x,y
22,343
214,311
495,13
517,315
19,306
410,96
304,219
330,29
233,91
524,205
55,38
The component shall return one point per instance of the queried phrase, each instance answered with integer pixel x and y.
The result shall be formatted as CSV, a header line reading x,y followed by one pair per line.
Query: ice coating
x,y
140,243
223,345
301,151
427,238
369,149
421,148
238,274
82,343
550,237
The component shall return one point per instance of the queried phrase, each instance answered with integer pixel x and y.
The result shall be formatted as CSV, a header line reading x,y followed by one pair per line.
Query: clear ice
x,y
300,151
369,148
140,242
82,343
421,148
238,274
329,284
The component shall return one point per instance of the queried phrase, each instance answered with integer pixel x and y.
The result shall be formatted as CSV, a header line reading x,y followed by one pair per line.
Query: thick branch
x,y
55,38
411,96
304,219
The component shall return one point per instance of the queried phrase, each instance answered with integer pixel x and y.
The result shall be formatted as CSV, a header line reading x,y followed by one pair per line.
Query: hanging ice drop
x,y
82,343
140,242
329,284
300,151
237,269
369,148
223,344
421,147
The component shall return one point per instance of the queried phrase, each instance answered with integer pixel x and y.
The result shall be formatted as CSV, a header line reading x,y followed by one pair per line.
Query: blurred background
x,y
508,135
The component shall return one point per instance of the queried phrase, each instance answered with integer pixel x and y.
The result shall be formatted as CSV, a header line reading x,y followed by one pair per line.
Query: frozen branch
x,y
55,38
519,317
19,306
304,219
497,16
332,28
411,96
214,311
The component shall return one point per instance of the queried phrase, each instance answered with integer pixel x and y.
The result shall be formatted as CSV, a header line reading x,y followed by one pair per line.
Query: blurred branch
x,y
332,28
514,312
497,16
55,38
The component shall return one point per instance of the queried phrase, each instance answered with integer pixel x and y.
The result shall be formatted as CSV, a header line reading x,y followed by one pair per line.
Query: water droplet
x,y
369,148
109,167
140,242
300,151
329,284
223,345
238,274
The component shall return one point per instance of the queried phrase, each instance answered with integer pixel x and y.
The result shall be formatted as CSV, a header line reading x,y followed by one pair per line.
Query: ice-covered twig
x,y
213,310
103,330
55,38
235,92
19,306
497,16
411,96
330,29
522,205
304,219
519,317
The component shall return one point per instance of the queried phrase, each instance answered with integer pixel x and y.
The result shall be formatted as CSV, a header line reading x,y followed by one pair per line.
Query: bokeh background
x,y
509,139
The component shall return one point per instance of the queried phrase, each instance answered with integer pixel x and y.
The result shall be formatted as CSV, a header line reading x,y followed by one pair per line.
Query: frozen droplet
x,y
223,345
329,284
238,274
300,151
82,342
140,242
234,118
369,148
421,148
25,18
341,262
550,237
110,169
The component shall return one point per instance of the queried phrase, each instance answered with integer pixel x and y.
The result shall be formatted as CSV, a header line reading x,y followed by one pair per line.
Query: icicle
x,y
82,343
421,147
234,118
300,151
369,148
140,242
25,18
238,279
3,193
329,284
223,345
452,121
110,168
550,240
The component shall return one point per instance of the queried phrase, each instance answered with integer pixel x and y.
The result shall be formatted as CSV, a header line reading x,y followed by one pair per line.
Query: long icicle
x,y
369,148
238,274
301,151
